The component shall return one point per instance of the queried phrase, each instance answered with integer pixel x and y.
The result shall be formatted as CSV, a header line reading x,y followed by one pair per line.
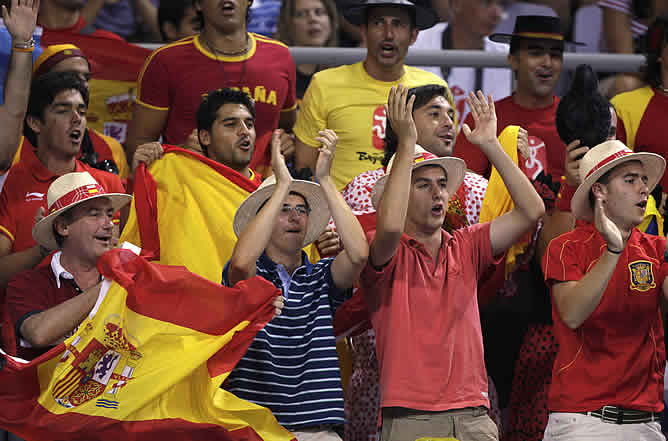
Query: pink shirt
x,y
425,314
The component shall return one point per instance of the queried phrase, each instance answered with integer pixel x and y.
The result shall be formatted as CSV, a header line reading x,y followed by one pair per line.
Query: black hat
x,y
425,17
541,27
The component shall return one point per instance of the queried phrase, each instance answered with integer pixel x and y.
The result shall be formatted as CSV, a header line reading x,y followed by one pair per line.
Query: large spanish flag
x,y
183,209
147,364
115,66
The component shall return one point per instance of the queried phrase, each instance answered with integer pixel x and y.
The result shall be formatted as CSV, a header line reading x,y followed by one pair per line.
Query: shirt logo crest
x,y
642,276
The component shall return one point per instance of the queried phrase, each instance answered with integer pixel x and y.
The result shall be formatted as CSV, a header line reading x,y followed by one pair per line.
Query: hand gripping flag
x,y
147,364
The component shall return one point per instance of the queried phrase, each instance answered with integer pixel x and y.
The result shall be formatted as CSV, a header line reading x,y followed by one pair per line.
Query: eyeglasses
x,y
301,210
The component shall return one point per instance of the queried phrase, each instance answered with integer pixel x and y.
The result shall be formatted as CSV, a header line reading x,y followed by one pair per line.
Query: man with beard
x,y
350,99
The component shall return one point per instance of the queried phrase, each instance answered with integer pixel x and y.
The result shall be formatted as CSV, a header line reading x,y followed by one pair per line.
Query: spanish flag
x,y
147,364
183,209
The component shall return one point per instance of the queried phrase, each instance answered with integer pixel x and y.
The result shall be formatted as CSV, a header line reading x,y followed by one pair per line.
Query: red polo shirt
x,y
617,356
25,191
425,314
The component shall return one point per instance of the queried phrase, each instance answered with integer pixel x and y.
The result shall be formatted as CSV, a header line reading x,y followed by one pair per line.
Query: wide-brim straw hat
x,y
600,160
455,169
66,192
318,217
424,17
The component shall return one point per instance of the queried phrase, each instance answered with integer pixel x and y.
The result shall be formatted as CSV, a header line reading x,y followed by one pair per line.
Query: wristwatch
x,y
29,44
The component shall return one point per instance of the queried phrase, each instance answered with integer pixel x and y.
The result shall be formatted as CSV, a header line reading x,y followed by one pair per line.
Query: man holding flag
x,y
101,382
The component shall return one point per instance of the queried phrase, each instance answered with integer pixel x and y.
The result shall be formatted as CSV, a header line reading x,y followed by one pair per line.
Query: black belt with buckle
x,y
618,415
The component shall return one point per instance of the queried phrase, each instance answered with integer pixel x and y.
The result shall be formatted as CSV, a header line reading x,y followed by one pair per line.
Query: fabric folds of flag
x,y
183,210
147,364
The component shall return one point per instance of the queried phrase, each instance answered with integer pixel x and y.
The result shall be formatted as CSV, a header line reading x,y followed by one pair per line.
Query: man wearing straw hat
x,y
47,303
421,282
292,365
608,280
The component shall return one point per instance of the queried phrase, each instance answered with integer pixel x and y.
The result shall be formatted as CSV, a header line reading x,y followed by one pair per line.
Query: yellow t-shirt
x,y
350,102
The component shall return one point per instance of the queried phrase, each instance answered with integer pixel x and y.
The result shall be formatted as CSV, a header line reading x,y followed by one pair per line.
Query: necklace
x,y
216,52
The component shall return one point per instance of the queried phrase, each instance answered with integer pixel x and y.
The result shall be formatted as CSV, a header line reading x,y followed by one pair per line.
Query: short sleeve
x,y
561,262
312,114
475,159
291,97
371,276
27,293
7,222
475,241
153,84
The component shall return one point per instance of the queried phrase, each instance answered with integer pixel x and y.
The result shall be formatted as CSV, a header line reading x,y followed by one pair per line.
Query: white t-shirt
x,y
495,81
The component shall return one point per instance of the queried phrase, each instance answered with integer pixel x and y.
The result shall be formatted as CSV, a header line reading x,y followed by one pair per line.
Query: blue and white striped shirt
x,y
292,366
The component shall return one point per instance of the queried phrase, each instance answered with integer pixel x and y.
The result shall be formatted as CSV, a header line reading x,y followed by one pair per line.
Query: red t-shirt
x,y
25,191
30,292
177,76
76,29
425,314
652,132
545,145
617,356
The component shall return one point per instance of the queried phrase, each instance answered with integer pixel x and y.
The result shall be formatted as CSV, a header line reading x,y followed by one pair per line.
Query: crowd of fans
x,y
459,249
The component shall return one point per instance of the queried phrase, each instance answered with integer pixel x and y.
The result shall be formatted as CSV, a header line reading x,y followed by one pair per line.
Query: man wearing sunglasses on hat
x,y
292,365
607,281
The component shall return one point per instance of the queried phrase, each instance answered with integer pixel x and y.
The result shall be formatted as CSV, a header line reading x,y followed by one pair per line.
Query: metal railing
x,y
328,56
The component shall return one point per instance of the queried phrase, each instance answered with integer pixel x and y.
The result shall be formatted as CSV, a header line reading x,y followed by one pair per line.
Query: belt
x,y
618,415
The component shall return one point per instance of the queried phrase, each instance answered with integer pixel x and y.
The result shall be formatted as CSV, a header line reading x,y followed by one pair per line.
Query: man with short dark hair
x,y
178,19
223,55
350,99
54,124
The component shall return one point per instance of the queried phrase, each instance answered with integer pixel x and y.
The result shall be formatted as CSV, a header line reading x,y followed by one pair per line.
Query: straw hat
x,y
603,158
425,17
66,192
454,167
315,198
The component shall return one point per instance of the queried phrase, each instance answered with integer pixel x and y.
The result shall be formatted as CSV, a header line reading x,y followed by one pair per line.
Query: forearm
x,y
617,31
524,195
348,227
576,303
12,264
48,327
254,239
391,213
305,156
12,112
149,14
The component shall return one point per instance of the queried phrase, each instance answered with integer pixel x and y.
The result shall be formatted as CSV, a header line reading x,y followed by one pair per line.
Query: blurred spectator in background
x,y
308,23
176,77
178,19
624,26
643,112
469,24
263,18
66,16
135,20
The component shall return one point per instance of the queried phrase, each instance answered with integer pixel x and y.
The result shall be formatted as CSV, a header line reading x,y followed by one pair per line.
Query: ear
x,y
514,62
61,226
204,137
414,35
34,123
600,191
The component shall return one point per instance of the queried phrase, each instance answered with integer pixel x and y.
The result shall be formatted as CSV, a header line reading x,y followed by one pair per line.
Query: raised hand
x,y
574,151
484,117
278,160
21,21
147,153
606,227
326,152
399,110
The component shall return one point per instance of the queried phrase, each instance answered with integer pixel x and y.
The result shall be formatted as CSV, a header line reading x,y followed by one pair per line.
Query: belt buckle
x,y
617,415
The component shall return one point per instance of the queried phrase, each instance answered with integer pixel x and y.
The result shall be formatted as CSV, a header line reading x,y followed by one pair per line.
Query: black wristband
x,y
615,252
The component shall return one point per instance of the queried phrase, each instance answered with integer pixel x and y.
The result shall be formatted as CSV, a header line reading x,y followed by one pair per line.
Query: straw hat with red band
x,y
455,169
315,198
66,192
600,160
53,55
539,27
